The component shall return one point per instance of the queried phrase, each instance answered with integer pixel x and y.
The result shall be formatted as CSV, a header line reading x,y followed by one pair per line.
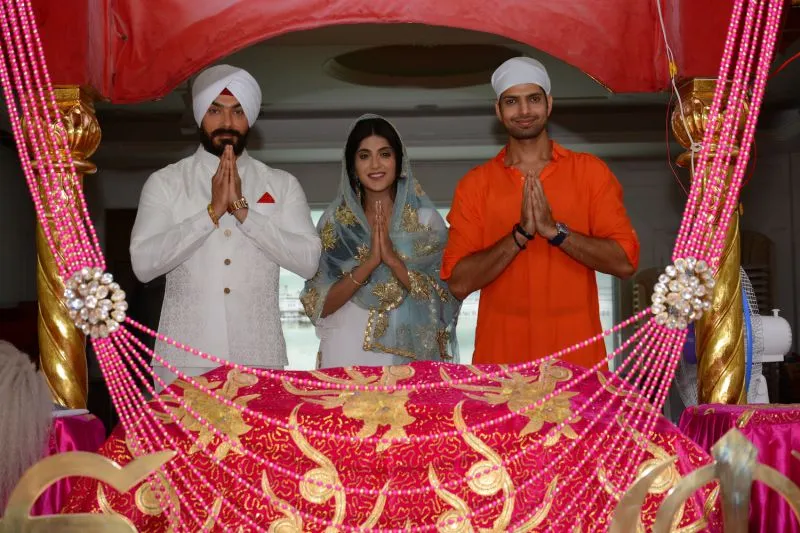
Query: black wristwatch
x,y
563,233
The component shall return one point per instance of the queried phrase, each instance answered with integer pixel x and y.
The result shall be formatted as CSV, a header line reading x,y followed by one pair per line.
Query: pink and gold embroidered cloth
x,y
434,463
775,431
84,433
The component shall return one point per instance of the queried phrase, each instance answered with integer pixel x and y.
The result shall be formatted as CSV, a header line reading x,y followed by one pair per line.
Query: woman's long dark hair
x,y
367,128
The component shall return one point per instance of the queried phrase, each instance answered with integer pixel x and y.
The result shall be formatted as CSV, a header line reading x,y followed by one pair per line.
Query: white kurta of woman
x,y
221,293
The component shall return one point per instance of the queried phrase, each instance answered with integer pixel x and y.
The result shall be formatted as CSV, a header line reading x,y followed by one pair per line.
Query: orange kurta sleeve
x,y
608,218
466,222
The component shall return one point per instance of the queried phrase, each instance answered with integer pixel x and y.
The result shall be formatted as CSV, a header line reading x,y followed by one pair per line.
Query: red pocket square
x,y
266,199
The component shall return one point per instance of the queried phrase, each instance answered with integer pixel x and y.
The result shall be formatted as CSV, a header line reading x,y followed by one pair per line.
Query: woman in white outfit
x,y
377,298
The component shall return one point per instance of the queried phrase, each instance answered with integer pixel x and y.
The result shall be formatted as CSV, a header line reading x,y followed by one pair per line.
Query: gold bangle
x,y
241,203
214,217
359,283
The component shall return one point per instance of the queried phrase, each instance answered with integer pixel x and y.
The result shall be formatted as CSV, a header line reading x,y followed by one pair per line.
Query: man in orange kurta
x,y
529,229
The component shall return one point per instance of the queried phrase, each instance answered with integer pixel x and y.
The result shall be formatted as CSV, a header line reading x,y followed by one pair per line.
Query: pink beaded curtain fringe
x,y
99,309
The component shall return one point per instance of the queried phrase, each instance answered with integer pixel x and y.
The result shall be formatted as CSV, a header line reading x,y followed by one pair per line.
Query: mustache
x,y
223,131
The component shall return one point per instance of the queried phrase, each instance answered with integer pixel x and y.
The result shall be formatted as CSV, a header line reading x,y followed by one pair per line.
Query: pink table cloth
x,y
775,430
83,433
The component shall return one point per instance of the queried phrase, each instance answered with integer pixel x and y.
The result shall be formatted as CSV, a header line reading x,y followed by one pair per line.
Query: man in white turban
x,y
530,228
221,225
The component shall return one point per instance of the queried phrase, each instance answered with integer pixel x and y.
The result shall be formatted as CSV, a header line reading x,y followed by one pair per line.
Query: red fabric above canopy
x,y
133,51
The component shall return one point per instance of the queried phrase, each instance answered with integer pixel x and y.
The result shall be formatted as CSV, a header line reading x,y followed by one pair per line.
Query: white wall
x,y
17,233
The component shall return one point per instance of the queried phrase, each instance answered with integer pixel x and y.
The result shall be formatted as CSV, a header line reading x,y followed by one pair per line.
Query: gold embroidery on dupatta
x,y
328,236
310,301
362,253
389,294
419,285
427,246
345,216
410,221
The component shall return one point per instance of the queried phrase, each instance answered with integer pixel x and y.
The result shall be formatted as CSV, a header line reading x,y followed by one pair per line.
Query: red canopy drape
x,y
132,51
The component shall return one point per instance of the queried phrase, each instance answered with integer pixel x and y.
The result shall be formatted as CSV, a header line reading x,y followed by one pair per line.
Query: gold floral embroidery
x,y
310,301
362,253
518,391
378,319
381,325
227,420
373,408
442,292
390,294
427,246
345,216
410,221
328,236
419,285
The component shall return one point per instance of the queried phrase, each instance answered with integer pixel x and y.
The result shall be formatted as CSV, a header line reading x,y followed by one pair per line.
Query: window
x,y
302,343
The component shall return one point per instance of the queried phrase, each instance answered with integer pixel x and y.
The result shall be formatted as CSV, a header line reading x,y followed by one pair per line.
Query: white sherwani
x,y
222,283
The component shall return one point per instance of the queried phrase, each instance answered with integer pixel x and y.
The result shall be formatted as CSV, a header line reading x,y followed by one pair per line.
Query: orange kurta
x,y
545,300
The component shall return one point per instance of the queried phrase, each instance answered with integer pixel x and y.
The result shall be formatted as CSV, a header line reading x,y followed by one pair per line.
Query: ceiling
x,y
310,98
298,72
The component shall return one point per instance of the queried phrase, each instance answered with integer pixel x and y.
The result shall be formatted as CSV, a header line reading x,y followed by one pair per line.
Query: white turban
x,y
519,71
211,82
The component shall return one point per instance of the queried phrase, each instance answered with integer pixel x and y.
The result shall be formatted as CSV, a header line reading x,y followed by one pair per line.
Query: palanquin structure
x,y
541,446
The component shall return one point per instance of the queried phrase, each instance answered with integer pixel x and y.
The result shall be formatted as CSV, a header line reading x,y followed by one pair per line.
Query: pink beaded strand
x,y
317,384
458,481
30,22
657,384
648,429
16,125
353,439
124,407
768,42
407,492
600,457
167,441
71,221
684,239
650,343
735,101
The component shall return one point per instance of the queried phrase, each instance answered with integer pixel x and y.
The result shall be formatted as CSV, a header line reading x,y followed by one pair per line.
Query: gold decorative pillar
x,y
719,334
62,346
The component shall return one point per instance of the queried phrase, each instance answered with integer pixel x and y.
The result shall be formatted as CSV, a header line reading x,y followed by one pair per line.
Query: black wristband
x,y
518,229
514,236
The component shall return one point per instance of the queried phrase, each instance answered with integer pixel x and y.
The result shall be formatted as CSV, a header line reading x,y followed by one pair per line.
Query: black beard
x,y
239,141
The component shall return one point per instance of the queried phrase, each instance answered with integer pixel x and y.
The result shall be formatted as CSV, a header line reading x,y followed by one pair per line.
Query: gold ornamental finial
x,y
35,481
735,466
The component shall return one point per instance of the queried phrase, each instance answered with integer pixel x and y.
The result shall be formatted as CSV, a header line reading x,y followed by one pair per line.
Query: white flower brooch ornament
x,y
683,293
96,303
